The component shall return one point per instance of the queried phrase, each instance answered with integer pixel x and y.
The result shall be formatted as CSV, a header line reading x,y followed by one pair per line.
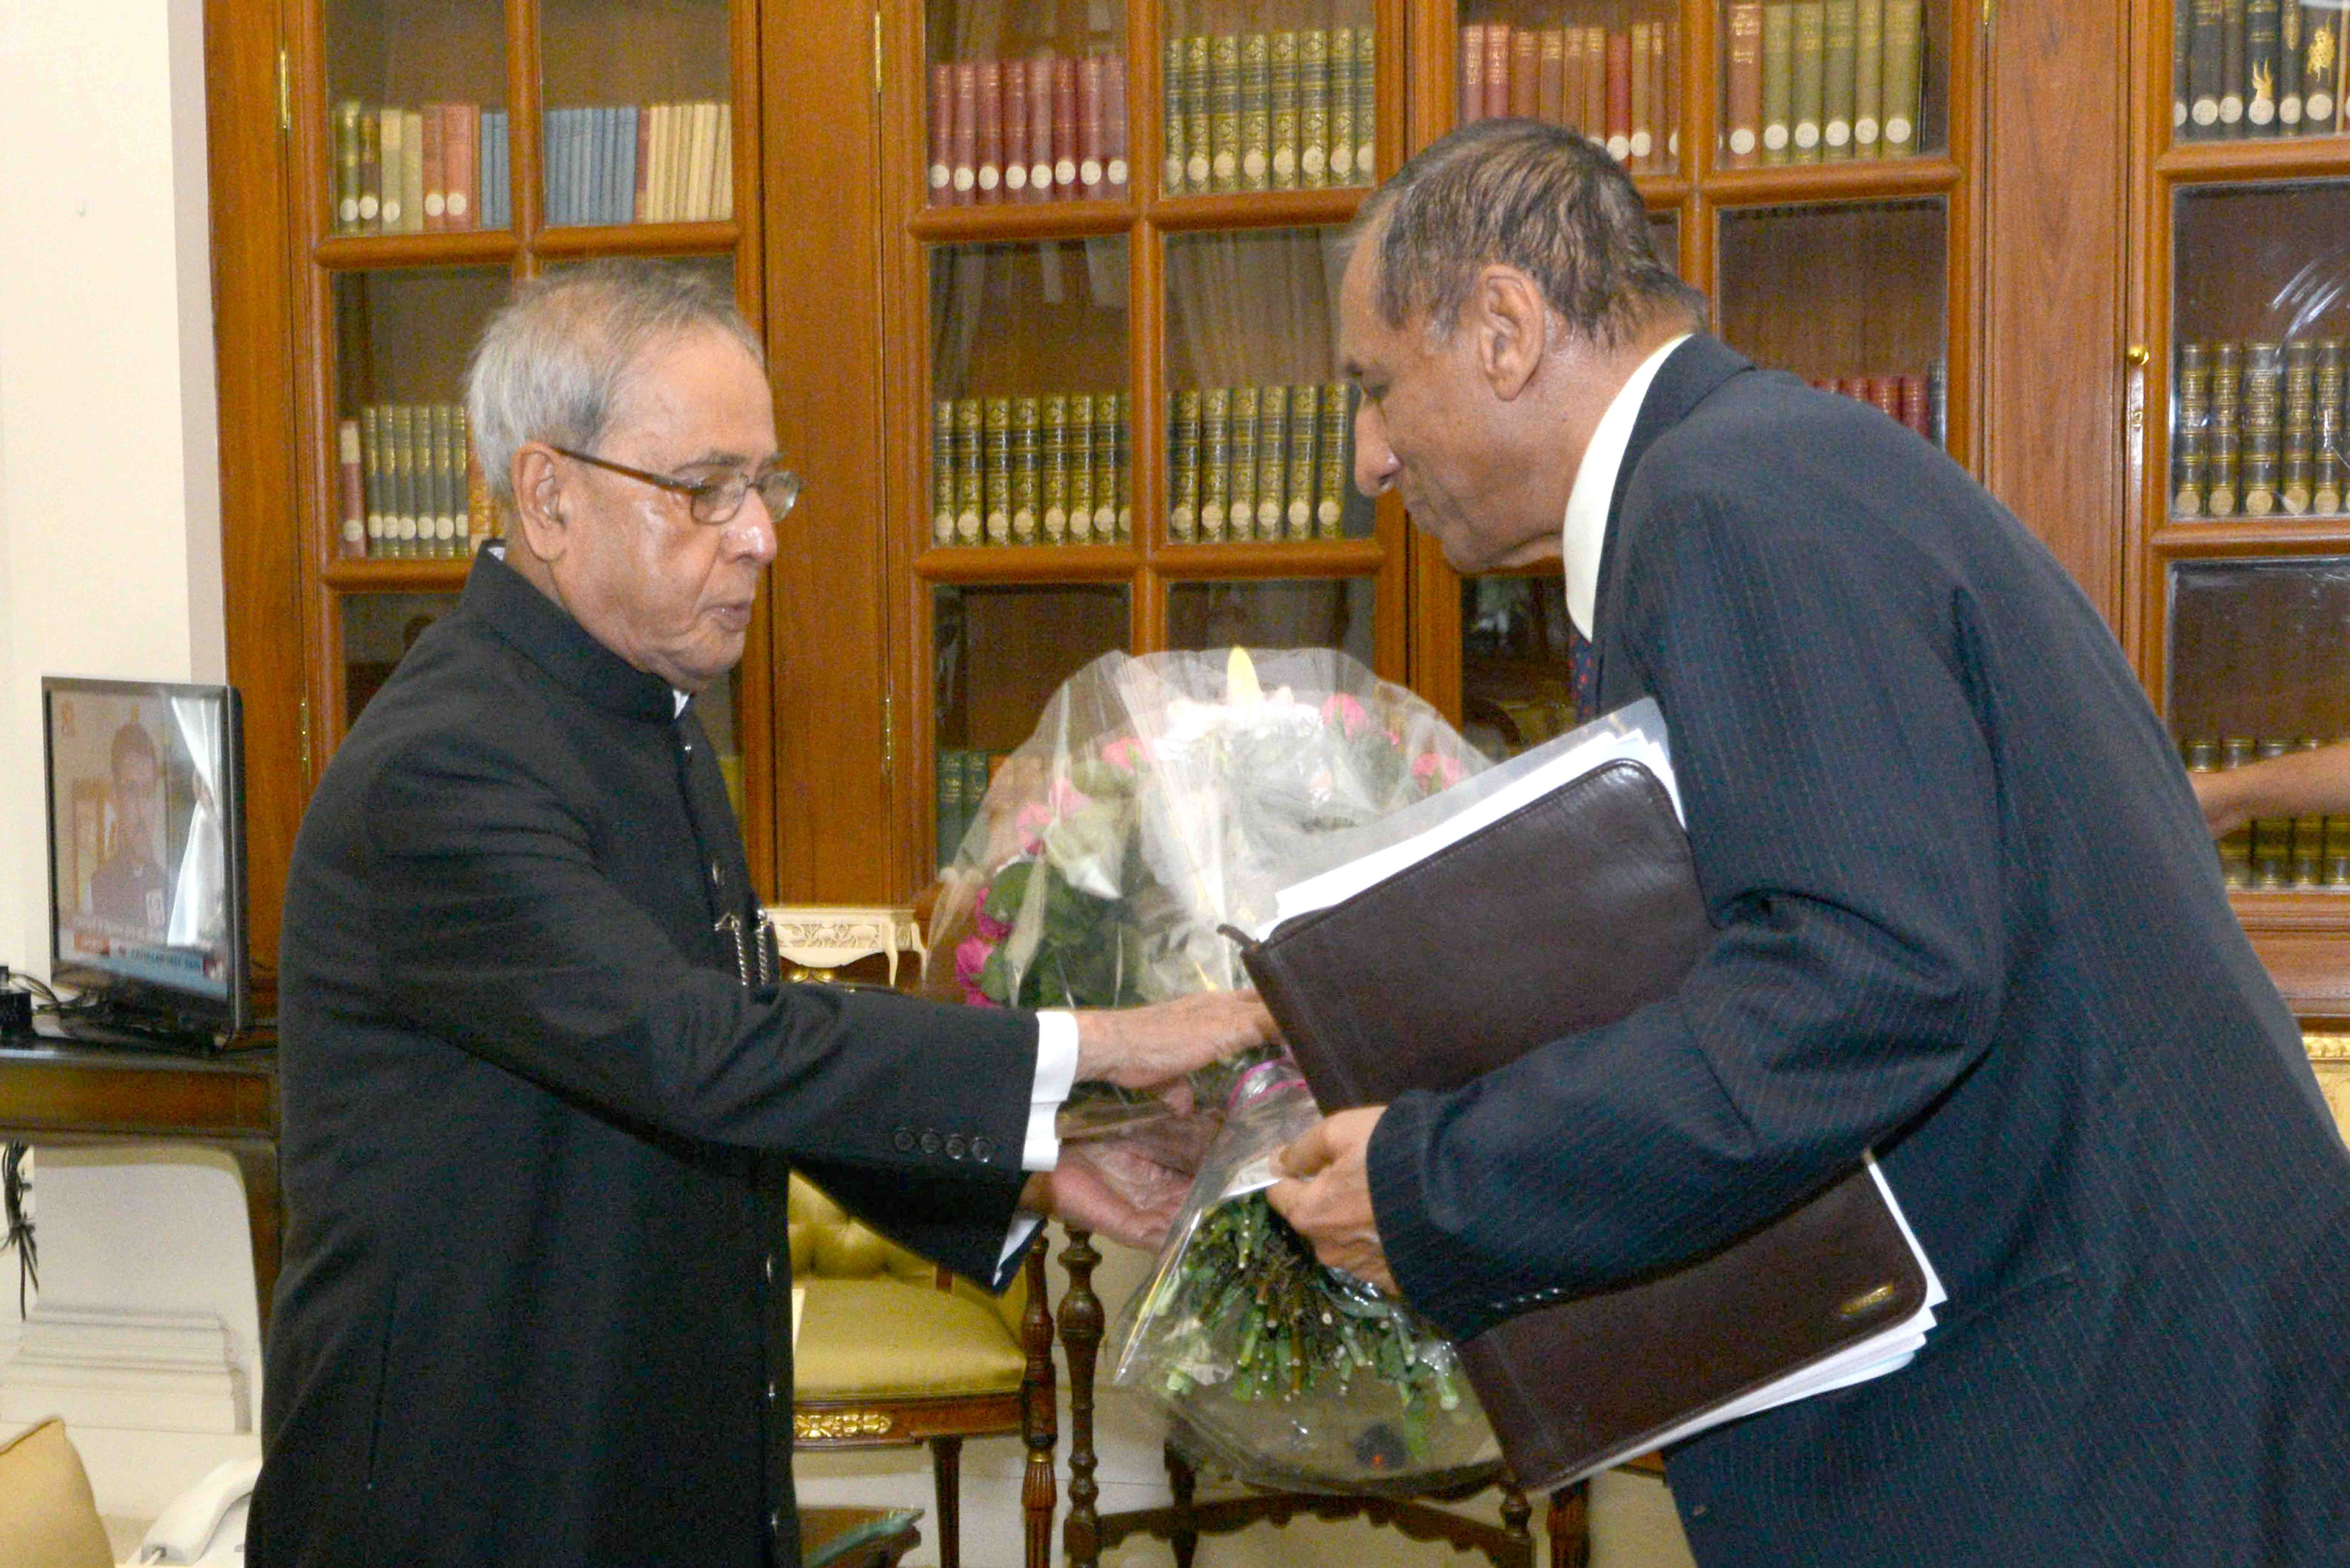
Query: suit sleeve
x,y
1844,807
499,932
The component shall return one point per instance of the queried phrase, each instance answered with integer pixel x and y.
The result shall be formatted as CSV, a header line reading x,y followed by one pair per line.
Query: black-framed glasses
x,y
714,500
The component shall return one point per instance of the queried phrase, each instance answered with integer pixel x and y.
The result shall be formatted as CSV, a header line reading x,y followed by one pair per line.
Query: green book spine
x,y
1173,86
942,472
1272,467
1105,518
447,480
2231,67
1055,519
2291,104
976,775
371,453
2321,51
371,170
950,803
996,454
1239,490
1124,423
1282,119
1811,44
1215,462
1366,100
2327,473
1083,480
1778,79
1225,112
1342,105
1183,469
1330,491
347,167
1867,78
1840,62
1304,414
405,487
1256,113
2203,23
1199,155
1027,471
2181,93
1314,107
2263,28
462,477
1901,67
969,477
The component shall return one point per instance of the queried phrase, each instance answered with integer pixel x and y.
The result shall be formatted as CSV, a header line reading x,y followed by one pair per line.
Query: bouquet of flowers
x,y
1161,800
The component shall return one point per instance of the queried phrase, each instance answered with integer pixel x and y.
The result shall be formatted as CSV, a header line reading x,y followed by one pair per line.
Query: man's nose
x,y
751,532
1375,462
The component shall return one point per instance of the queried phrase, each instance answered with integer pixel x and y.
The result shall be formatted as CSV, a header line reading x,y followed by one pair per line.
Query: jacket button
x,y
769,1263
931,1142
955,1146
772,1393
717,876
983,1149
902,1141
775,1522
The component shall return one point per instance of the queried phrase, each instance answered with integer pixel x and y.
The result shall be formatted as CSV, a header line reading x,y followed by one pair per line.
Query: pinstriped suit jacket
x,y
1969,917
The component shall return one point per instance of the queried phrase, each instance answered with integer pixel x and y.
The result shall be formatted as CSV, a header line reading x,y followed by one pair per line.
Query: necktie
x,y
1585,666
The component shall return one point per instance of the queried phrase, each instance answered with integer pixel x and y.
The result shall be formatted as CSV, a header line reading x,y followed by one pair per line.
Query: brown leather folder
x,y
1569,913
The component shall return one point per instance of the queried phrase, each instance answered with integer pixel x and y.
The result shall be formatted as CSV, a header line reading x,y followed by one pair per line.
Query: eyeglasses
x,y
715,500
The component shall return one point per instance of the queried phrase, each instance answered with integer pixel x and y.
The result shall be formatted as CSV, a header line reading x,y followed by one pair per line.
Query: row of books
x,y
631,163
2257,430
409,487
1259,462
1615,86
1811,81
419,171
1914,398
963,774
2275,854
1270,112
1048,129
1054,469
2257,67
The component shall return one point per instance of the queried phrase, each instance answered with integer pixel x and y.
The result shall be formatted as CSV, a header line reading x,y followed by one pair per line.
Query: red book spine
x,y
1576,95
1661,52
942,124
1550,94
1914,410
1642,126
1619,95
1039,151
352,482
1497,69
1525,73
1885,391
1090,125
1742,139
436,188
1113,93
990,166
1016,131
460,165
1594,83
1472,72
966,133
1064,127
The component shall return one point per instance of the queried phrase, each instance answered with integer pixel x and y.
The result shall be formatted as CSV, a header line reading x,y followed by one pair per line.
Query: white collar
x,y
1585,532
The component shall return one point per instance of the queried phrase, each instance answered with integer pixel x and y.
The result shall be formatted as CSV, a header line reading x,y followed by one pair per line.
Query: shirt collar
x,y
1585,534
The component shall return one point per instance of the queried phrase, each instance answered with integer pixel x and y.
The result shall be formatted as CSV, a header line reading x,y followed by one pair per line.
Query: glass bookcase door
x,y
378,631
2258,324
1260,429
1031,437
1830,81
1255,96
416,94
631,134
1854,297
2256,70
1517,668
1027,103
1609,68
1290,612
406,489
2259,665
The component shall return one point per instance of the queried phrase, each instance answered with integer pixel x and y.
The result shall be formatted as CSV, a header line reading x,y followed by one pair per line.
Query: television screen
x,y
147,852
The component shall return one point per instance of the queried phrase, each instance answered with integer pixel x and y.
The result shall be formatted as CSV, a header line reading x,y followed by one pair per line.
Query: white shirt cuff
x,y
1056,1071
1024,1225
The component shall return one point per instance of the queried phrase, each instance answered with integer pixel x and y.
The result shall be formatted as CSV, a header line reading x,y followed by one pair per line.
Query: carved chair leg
x,y
1516,1516
1039,1419
1183,1481
1570,1526
1081,1336
946,1467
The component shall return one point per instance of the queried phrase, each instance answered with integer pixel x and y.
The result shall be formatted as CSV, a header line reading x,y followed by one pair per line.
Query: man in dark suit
x,y
540,1085
1967,916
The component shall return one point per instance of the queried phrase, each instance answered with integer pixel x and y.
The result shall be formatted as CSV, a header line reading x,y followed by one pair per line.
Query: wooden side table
x,y
57,1093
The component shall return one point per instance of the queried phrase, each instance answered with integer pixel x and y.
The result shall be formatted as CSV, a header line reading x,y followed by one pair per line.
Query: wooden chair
x,y
892,1351
1088,1532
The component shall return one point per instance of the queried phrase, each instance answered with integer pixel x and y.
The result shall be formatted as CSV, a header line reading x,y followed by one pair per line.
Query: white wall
x,y
109,564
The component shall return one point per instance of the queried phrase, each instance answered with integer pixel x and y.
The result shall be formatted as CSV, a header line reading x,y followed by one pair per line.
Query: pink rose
x,y
971,956
1437,770
989,928
1126,753
974,997
1345,714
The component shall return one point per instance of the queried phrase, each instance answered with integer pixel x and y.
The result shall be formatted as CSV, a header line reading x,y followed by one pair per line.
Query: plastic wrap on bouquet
x,y
1286,1373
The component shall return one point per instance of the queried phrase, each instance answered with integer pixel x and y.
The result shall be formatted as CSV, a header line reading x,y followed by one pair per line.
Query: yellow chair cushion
x,y
48,1517
882,1338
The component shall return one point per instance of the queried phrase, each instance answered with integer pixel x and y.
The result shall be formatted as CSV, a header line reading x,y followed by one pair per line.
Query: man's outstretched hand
x,y
1148,1047
1128,1186
1328,1196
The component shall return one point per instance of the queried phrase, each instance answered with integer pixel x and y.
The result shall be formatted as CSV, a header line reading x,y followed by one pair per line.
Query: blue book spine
x,y
551,164
494,192
625,187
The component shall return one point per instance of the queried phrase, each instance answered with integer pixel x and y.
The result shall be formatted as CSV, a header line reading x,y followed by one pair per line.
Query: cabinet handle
x,y
2137,356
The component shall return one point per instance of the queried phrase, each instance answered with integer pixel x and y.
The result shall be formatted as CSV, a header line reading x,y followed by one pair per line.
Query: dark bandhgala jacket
x,y
1969,917
536,1306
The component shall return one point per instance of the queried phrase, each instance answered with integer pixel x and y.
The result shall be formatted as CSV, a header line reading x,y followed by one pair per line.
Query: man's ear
x,y
1512,322
538,500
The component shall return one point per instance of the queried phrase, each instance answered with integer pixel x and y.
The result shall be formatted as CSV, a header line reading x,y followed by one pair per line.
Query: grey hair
x,y
554,362
1539,198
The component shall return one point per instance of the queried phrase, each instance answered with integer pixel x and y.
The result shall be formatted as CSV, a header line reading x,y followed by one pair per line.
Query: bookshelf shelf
x,y
374,577
708,238
1889,177
1031,564
2268,536
1011,221
1310,558
367,253
1256,209
2287,157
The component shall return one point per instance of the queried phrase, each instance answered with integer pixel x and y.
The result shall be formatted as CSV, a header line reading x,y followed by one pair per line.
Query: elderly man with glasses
x,y
541,1091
